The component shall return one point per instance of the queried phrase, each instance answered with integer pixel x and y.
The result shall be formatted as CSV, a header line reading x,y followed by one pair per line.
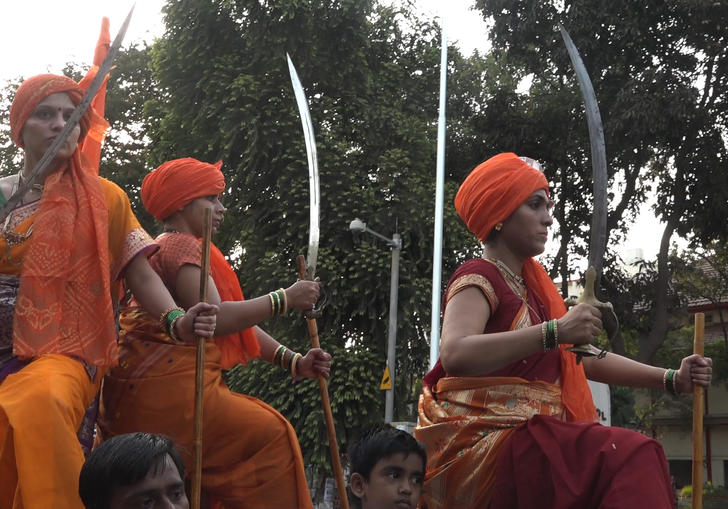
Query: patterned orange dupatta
x,y
64,301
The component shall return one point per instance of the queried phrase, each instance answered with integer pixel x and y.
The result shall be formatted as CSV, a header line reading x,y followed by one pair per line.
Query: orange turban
x,y
494,190
176,183
33,91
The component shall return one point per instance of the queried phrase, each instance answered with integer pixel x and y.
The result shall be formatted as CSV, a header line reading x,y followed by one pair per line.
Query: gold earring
x,y
498,227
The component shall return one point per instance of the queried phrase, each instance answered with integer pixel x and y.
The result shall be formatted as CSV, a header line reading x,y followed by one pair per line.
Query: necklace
x,y
13,238
517,280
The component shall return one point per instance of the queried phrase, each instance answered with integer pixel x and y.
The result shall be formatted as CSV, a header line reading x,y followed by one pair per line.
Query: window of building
x,y
682,472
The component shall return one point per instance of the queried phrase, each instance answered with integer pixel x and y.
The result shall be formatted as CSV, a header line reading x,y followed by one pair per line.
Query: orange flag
x,y
91,147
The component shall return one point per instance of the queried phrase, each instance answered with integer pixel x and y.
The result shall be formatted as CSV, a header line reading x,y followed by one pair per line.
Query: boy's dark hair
x,y
121,461
379,441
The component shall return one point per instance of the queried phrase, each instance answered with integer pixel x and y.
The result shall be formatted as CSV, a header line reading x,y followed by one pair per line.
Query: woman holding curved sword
x,y
506,413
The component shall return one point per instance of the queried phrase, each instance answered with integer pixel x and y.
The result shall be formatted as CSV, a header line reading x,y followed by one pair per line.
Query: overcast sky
x,y
43,35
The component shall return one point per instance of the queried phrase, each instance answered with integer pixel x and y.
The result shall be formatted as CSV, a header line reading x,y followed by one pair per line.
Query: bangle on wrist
x,y
278,354
172,329
549,335
284,301
294,364
668,381
169,316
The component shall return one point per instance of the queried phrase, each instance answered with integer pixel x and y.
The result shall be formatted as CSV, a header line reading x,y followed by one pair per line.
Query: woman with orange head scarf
x,y
506,413
63,251
251,453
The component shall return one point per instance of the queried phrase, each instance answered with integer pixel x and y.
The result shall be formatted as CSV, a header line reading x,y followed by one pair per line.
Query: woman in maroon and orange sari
x,y
63,250
506,413
251,455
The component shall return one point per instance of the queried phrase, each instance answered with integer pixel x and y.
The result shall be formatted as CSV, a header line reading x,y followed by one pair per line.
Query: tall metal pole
x,y
439,201
396,244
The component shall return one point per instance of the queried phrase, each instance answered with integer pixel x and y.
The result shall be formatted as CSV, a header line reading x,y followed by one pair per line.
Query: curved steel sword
x,y
313,175
598,234
71,123
307,270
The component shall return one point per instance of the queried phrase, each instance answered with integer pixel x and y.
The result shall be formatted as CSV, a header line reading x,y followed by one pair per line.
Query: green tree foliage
x,y
371,73
701,278
10,155
658,72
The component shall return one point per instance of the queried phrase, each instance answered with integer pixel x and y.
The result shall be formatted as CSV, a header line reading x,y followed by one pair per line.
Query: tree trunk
x,y
649,345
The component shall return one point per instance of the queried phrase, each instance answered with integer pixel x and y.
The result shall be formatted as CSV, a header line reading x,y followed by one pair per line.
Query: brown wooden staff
x,y
698,409
323,389
200,365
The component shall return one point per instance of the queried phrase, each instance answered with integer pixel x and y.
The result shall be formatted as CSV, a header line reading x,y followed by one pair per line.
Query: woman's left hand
x,y
694,369
315,363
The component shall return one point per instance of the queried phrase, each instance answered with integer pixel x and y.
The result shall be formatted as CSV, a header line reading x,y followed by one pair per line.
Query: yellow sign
x,y
386,380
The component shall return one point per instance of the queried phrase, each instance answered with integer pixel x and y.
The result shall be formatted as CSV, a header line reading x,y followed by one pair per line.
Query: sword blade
x,y
313,174
71,123
598,235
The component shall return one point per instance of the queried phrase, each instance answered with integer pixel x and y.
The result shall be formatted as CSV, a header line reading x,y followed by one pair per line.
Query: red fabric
x,y
176,183
240,346
64,303
177,249
494,190
548,463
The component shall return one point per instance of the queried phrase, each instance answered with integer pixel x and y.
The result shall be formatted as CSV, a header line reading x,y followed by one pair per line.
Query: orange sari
x,y
251,455
43,404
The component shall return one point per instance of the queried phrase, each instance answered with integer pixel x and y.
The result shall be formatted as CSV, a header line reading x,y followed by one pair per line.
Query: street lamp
x,y
359,226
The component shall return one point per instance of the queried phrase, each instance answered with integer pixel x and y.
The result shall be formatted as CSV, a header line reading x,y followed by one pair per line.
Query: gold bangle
x,y
272,304
294,364
275,359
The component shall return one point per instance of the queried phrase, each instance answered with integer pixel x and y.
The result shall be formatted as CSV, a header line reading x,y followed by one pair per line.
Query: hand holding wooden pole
x,y
200,365
698,409
328,415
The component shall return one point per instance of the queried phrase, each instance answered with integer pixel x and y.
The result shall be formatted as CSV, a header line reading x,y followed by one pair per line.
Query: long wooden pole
x,y
698,408
323,389
200,365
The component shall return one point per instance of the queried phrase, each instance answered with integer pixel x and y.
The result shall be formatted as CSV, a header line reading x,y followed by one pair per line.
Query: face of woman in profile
x,y
194,214
45,123
526,231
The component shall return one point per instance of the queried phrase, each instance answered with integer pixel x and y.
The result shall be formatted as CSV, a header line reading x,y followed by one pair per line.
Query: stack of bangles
x,y
669,381
550,335
168,319
278,302
287,359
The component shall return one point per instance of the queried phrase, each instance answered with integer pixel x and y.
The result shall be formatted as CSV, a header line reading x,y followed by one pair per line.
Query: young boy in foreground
x,y
387,468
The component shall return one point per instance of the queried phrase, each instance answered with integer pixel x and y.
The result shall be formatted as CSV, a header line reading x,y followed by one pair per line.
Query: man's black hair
x,y
379,441
121,461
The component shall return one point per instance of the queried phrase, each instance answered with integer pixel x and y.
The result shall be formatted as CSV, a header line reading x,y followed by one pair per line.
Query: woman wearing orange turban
x,y
63,250
251,453
506,413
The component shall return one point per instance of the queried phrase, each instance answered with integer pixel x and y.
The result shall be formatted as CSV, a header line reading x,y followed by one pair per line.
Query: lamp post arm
x,y
390,242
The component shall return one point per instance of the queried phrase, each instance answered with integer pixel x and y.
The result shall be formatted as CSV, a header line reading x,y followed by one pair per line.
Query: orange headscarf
x,y
489,195
165,191
64,301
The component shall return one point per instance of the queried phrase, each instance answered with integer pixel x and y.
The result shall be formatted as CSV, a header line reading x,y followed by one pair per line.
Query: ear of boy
x,y
357,484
